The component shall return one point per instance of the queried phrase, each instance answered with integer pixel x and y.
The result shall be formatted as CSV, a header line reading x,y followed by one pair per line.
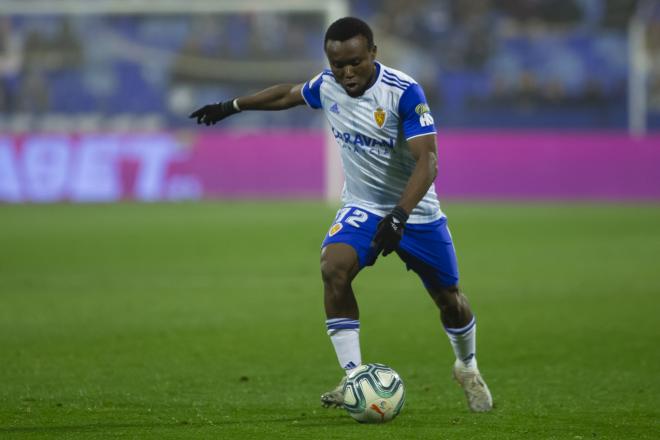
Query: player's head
x,y
349,46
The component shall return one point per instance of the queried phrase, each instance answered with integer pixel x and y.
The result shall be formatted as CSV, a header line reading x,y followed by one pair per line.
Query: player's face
x,y
352,63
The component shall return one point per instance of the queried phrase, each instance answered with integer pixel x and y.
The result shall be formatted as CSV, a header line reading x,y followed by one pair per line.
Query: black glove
x,y
390,230
212,113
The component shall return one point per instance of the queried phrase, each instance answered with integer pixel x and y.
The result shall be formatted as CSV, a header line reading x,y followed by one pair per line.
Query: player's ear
x,y
374,50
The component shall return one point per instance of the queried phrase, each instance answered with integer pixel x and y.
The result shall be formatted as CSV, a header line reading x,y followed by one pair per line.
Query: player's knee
x,y
447,297
334,273
339,265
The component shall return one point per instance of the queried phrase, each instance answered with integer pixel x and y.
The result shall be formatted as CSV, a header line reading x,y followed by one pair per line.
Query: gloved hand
x,y
390,231
212,113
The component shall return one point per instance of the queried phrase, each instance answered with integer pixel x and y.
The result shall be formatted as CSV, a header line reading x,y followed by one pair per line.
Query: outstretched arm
x,y
279,97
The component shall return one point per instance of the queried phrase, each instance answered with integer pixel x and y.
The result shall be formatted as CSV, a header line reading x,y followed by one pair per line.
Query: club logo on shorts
x,y
335,228
379,116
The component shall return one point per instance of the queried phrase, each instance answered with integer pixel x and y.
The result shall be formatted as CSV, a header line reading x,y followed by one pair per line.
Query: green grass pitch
x,y
205,320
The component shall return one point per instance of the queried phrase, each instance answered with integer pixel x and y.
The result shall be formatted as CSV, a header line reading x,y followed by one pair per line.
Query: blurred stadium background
x,y
201,317
94,96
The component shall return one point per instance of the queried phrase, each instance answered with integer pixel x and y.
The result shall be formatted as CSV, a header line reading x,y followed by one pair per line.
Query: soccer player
x,y
387,139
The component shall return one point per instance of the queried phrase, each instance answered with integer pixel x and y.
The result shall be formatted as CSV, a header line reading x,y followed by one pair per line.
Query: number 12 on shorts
x,y
356,218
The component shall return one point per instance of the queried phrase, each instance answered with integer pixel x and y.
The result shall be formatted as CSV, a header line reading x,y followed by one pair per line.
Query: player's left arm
x,y
418,128
424,150
390,229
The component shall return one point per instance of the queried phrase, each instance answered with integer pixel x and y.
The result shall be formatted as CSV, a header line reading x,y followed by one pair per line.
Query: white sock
x,y
345,336
464,342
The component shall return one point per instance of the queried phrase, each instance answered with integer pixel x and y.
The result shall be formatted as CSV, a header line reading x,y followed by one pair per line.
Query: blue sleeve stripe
x,y
312,99
311,91
414,124
302,92
397,85
396,81
393,77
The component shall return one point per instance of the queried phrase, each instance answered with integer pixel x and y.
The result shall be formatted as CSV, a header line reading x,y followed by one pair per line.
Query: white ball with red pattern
x,y
374,393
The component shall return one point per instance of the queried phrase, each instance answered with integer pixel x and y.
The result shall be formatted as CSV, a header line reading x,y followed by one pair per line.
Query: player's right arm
x,y
278,97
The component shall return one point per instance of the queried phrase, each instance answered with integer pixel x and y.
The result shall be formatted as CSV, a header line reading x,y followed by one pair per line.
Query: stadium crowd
x,y
483,62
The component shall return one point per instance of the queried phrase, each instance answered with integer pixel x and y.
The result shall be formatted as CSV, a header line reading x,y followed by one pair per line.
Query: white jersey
x,y
372,131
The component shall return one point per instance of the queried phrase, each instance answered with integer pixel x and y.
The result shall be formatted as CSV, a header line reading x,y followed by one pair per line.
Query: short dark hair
x,y
347,28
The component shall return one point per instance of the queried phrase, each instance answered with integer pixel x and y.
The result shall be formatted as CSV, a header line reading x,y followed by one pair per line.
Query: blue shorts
x,y
426,248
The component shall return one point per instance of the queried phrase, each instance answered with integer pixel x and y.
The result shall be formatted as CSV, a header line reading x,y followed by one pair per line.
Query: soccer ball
x,y
374,393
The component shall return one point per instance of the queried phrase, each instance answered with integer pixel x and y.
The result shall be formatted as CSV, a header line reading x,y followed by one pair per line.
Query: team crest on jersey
x,y
379,116
335,228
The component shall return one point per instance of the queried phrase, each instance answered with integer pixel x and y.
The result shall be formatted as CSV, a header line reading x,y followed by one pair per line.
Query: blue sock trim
x,y
342,323
462,330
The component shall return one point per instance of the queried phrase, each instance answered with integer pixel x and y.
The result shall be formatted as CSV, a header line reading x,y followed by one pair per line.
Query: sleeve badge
x,y
422,108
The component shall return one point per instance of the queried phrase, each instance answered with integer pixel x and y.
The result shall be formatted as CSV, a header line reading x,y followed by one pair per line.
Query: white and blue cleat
x,y
476,391
335,397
